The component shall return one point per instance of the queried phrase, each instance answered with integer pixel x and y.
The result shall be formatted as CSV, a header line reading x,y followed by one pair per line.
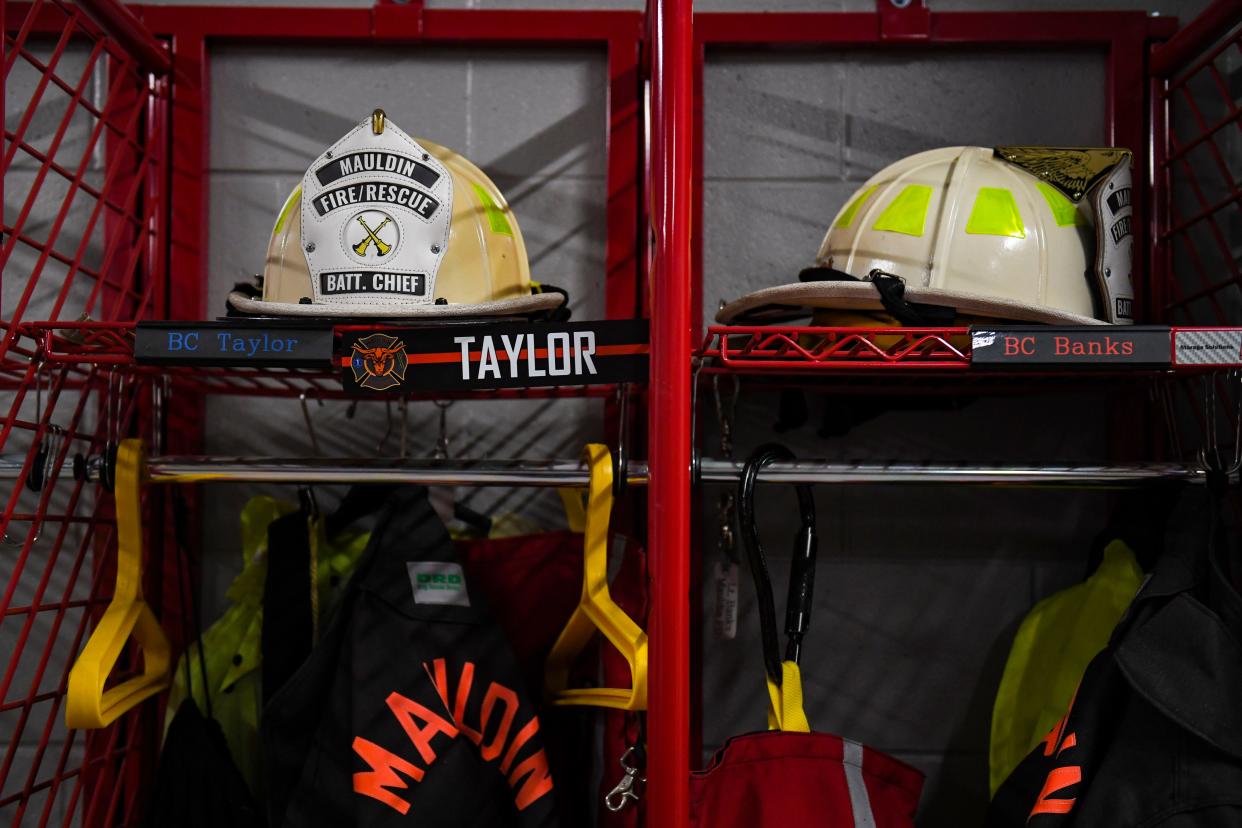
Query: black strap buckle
x,y
892,291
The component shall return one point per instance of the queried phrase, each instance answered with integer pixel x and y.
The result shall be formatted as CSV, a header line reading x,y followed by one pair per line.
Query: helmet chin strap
x,y
892,291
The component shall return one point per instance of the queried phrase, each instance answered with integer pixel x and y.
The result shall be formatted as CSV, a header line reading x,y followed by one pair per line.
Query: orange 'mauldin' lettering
x,y
406,710
1058,780
1062,778
495,693
383,774
532,775
530,779
463,695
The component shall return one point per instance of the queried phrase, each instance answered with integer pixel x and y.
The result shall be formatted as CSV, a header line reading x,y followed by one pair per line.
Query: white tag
x,y
724,622
438,582
376,211
1114,244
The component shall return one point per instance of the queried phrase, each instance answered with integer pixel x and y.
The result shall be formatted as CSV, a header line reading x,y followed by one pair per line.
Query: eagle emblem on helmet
x,y
1071,170
379,362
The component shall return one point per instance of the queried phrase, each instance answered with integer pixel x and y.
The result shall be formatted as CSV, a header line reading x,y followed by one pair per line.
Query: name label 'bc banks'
x,y
1083,346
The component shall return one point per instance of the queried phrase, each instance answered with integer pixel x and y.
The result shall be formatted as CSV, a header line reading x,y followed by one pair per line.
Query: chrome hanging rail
x,y
557,473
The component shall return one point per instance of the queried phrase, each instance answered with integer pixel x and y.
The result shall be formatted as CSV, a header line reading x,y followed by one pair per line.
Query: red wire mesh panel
x,y
1197,266
82,236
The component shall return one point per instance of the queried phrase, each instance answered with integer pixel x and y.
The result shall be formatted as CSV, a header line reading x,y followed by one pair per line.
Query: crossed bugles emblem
x,y
372,237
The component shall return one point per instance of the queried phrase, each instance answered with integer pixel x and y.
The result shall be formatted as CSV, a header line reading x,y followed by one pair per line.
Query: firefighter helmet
x,y
1016,233
386,226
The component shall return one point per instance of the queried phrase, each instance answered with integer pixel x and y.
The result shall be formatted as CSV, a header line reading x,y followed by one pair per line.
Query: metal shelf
x,y
804,352
88,351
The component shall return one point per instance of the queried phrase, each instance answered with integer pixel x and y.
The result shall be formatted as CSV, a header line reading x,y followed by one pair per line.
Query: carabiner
x,y
624,793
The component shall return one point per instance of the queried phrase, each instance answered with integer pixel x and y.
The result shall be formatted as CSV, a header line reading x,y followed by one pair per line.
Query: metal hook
x,y
112,407
625,791
112,428
43,459
39,390
310,425
724,413
161,393
383,441
441,451
695,456
1236,464
404,405
48,449
621,460
1210,455
1164,395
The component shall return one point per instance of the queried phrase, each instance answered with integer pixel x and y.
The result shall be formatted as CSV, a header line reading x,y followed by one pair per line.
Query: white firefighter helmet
x,y
386,226
1033,234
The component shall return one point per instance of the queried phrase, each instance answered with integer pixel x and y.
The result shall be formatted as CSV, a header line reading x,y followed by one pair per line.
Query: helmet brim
x,y
514,306
787,302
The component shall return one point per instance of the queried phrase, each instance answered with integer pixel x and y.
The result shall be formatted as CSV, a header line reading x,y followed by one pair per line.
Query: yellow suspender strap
x,y
89,703
785,702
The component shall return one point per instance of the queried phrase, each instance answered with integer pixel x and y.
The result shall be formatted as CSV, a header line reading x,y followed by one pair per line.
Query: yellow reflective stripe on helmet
x,y
1064,211
995,214
847,217
908,212
294,197
495,216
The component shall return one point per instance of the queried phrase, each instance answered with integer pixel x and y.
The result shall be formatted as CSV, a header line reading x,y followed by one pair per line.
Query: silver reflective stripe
x,y
860,803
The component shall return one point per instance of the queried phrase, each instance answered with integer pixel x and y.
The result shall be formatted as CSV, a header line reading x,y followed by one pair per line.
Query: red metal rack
x,y
110,345
789,349
806,350
85,165
120,199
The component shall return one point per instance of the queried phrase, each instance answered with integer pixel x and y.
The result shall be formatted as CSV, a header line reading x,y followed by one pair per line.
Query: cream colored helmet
x,y
386,226
1037,234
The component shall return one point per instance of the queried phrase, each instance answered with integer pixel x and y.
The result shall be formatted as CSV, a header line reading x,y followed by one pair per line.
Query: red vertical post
x,y
672,187
1127,126
4,81
624,177
1160,262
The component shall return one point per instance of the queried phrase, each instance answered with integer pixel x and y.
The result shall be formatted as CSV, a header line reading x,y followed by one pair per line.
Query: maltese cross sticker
x,y
372,235
379,362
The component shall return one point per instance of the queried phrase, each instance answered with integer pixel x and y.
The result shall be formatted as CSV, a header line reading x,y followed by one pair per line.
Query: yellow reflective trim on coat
x,y
847,217
908,211
995,213
496,217
1064,212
